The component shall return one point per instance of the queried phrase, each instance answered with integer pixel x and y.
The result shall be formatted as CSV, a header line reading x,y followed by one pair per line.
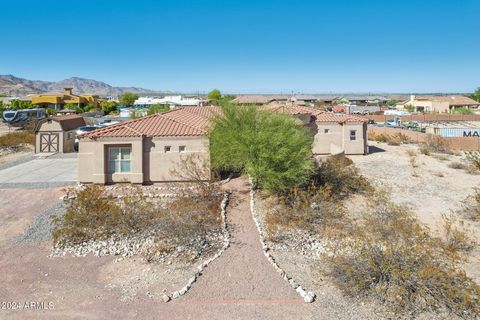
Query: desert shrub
x,y
471,206
16,138
412,158
393,140
391,257
474,158
341,176
455,234
435,144
457,165
93,214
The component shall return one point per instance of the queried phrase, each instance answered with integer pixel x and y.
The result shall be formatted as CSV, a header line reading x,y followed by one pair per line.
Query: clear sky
x,y
247,46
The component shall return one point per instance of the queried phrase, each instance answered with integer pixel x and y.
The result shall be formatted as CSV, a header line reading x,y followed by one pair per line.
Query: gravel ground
x,y
41,227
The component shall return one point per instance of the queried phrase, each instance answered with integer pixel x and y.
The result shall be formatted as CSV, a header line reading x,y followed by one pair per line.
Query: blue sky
x,y
247,46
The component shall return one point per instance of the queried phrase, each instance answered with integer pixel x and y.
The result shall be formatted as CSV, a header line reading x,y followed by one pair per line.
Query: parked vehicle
x,y
18,118
84,129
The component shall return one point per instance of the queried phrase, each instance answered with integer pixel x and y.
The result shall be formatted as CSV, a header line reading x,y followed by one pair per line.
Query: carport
x,y
57,134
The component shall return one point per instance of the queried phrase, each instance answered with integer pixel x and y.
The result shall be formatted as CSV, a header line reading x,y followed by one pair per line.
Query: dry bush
x,y
14,139
393,140
435,144
94,215
391,257
471,206
457,165
456,238
474,158
412,158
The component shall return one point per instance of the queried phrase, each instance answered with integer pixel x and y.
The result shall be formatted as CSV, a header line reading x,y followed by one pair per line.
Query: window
x,y
326,130
353,135
182,148
168,148
119,159
70,135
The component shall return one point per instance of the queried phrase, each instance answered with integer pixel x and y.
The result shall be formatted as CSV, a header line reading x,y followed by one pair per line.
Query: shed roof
x,y
67,122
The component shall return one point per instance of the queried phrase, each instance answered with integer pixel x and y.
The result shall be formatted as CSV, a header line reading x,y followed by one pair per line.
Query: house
x,y
57,133
171,101
440,104
57,100
147,150
259,99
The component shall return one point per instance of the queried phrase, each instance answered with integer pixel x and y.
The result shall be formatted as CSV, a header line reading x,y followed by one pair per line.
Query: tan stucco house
x,y
439,104
147,150
57,134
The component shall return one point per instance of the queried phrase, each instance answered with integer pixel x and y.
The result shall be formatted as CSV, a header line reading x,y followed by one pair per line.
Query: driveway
x,y
41,173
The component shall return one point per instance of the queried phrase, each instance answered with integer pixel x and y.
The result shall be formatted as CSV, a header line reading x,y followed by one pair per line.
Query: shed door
x,y
49,142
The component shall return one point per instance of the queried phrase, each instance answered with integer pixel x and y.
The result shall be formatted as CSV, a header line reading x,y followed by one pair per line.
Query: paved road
x,y
47,172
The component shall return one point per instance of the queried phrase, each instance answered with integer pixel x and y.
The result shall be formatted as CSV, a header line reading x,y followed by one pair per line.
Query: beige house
x,y
57,134
162,147
156,148
440,104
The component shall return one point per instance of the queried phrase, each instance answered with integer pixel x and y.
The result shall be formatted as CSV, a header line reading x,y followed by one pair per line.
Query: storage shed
x,y
57,133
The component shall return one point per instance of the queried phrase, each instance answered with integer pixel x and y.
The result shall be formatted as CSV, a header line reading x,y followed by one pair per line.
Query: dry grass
x,y
94,215
391,257
471,206
456,235
393,140
435,144
17,138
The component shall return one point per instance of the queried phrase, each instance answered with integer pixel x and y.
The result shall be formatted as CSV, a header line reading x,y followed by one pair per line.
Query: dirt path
x,y
242,274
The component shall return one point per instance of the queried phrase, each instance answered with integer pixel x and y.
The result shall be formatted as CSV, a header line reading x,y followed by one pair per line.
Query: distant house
x,y
171,101
440,104
57,100
57,134
259,99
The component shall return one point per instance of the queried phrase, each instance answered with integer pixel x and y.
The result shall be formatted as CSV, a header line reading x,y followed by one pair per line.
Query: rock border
x,y
308,296
203,265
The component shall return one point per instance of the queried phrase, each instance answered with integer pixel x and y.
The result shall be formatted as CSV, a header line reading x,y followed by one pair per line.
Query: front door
x,y
49,142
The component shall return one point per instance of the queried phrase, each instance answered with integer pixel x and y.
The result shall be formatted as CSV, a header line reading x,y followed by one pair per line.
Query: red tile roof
x,y
189,121
339,118
293,110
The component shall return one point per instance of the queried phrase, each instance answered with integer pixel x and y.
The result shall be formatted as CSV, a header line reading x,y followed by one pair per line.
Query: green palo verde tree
x,y
272,148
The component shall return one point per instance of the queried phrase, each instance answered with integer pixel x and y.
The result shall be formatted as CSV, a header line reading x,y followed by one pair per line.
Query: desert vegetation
x,y
381,252
191,219
393,140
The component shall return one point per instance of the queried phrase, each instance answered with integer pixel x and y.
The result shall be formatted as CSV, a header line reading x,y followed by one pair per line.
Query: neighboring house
x,y
57,100
147,150
172,101
259,99
57,133
440,104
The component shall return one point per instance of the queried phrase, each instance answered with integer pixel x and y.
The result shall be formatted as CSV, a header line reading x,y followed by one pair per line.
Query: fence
x,y
426,117
455,143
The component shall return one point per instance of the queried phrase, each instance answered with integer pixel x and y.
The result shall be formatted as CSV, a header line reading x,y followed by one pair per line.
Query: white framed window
x,y
182,148
353,135
168,148
119,159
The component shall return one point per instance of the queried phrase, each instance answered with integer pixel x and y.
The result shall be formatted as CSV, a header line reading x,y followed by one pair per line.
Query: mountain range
x,y
14,86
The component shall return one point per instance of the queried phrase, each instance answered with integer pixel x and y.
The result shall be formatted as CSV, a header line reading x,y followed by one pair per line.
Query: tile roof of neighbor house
x,y
339,118
258,99
189,121
67,122
454,100
291,109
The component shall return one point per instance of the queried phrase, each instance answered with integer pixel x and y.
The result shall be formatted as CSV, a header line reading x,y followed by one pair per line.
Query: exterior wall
x,y
170,166
149,161
337,139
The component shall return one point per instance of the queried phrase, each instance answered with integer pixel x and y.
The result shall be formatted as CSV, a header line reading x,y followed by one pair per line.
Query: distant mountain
x,y
14,86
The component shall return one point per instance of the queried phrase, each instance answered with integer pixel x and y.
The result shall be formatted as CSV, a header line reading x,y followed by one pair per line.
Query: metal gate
x,y
49,142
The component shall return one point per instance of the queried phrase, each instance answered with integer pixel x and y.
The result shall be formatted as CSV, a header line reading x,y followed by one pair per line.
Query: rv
x,y
18,118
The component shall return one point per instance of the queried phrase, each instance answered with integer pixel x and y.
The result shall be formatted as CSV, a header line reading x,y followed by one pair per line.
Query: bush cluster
x,y
435,144
95,215
16,138
393,140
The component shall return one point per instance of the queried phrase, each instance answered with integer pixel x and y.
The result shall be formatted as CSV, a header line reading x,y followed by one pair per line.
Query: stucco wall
x,y
150,162
337,139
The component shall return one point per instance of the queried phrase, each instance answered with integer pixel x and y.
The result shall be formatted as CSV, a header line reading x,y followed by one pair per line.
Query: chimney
x,y
68,91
